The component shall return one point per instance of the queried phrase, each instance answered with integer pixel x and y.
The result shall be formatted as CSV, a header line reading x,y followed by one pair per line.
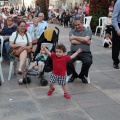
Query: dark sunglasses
x,y
18,15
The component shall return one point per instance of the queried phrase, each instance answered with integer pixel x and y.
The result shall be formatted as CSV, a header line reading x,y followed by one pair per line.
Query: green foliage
x,y
44,6
98,8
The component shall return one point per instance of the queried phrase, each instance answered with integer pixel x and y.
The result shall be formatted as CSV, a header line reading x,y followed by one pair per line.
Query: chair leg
x,y
10,69
68,77
15,67
1,73
88,79
96,31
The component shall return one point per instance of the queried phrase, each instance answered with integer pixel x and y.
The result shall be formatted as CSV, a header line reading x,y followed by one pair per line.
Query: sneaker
x,y
50,92
20,81
66,95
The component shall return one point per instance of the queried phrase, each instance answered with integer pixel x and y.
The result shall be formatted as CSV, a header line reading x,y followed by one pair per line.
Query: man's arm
x,y
85,39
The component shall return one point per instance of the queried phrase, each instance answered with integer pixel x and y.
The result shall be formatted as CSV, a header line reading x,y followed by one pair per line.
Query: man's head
x,y
41,17
78,24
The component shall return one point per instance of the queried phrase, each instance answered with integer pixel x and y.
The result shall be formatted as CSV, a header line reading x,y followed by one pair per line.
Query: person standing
x,y
116,35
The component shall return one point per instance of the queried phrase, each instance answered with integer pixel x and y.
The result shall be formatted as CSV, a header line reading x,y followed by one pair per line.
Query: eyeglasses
x,y
18,15
40,16
22,26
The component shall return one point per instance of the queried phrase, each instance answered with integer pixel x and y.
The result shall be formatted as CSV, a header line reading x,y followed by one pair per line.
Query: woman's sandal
x,y
20,81
19,72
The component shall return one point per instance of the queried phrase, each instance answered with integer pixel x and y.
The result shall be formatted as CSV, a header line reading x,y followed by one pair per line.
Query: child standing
x,y
59,67
107,42
40,58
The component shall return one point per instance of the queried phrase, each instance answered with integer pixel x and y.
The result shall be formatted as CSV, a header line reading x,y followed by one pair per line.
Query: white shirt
x,y
20,39
3,15
106,41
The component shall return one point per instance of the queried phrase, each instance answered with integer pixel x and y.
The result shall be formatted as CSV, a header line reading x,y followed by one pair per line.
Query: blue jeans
x,y
6,48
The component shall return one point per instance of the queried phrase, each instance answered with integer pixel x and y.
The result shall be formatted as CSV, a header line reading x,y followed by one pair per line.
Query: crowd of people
x,y
21,31
65,17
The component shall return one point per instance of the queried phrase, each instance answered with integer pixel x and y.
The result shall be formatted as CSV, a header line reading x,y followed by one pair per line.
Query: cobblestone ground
x,y
99,100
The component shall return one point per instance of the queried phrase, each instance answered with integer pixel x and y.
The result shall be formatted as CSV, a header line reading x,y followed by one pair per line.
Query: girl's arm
x,y
76,53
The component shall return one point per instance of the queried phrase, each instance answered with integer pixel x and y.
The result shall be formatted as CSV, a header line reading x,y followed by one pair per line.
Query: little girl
x,y
39,60
59,67
107,42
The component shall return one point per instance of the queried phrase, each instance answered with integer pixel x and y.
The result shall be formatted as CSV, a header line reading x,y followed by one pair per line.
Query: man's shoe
x,y
72,79
116,66
84,79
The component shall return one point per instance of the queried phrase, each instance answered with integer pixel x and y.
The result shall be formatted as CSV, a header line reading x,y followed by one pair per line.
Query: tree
x,y
44,6
98,8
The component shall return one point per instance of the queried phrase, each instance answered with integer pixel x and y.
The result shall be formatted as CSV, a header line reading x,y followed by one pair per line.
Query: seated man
x,y
80,38
42,24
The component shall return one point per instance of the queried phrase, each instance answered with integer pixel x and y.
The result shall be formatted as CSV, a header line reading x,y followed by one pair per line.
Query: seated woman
x,y
30,19
6,32
35,31
23,40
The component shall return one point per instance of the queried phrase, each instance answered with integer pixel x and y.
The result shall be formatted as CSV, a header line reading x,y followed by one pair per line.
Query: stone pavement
x,y
99,100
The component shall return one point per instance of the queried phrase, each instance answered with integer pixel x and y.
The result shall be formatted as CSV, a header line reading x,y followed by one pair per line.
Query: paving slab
x,y
18,109
99,100
93,99
68,115
106,112
55,103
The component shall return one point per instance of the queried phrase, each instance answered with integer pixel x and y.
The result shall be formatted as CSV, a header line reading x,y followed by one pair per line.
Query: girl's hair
x,y
30,15
10,17
61,47
107,35
19,22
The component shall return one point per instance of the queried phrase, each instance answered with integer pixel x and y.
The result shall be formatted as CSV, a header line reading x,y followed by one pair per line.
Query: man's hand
x,y
0,30
118,32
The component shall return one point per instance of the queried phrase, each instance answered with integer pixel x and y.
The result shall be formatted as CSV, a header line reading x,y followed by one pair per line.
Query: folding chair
x,y
101,25
75,65
1,59
87,21
14,63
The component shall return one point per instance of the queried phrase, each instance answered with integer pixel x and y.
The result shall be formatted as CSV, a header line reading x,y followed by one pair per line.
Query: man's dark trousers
x,y
85,58
115,46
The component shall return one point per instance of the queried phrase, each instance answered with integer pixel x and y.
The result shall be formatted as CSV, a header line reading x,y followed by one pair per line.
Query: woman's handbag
x,y
17,51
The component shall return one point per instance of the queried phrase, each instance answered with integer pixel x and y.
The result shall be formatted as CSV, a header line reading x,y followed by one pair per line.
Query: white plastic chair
x,y
14,63
1,59
87,21
101,25
75,65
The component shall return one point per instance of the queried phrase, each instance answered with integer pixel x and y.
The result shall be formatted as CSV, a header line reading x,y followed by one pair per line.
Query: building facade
x,y
70,3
